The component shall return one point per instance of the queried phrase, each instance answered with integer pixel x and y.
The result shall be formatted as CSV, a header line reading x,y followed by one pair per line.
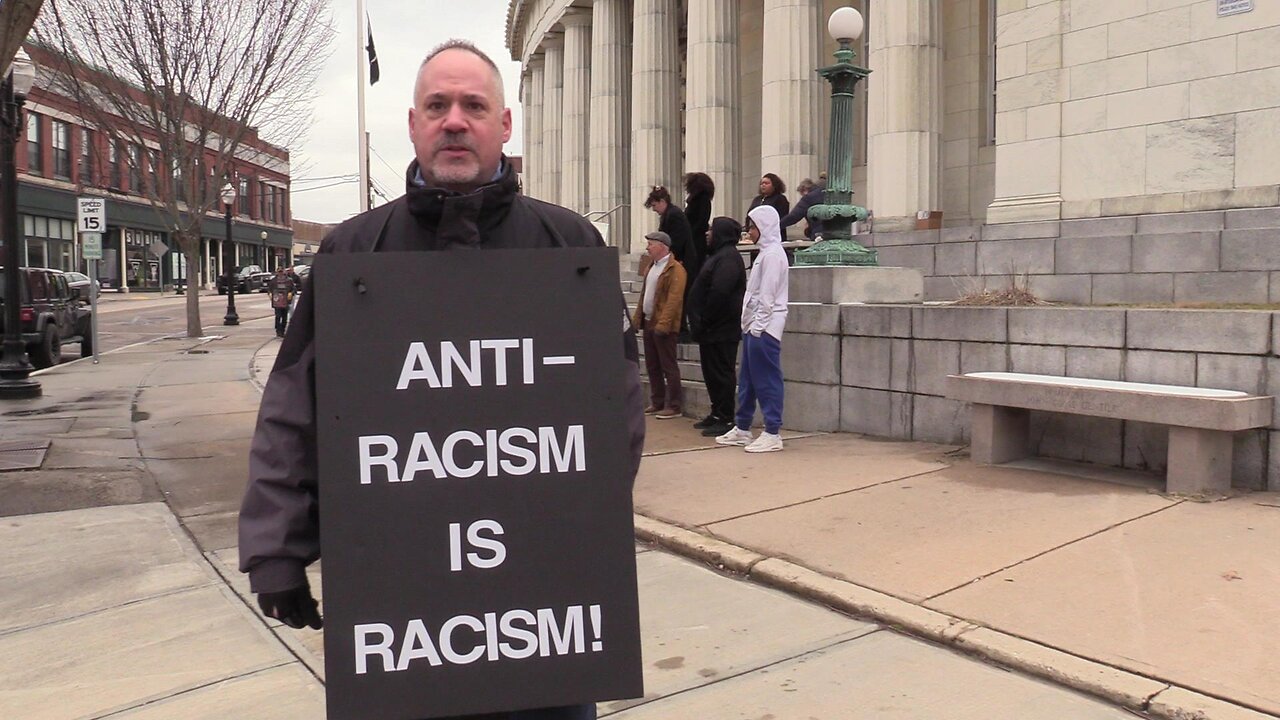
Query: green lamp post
x,y
838,213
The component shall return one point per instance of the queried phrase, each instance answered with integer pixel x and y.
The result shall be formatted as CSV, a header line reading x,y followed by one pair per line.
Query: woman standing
x,y
773,192
699,190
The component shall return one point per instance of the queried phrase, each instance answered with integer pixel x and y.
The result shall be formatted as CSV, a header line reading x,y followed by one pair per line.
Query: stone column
x,y
533,109
713,136
792,92
904,126
655,109
577,98
1029,96
552,117
609,136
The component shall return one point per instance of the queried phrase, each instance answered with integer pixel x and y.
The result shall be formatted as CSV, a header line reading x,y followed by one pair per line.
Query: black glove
x,y
294,607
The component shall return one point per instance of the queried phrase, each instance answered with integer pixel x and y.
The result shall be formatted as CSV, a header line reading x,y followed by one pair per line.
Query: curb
x,y
1129,690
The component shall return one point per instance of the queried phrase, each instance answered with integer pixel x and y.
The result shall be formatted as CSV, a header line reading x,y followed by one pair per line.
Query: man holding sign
x,y
499,437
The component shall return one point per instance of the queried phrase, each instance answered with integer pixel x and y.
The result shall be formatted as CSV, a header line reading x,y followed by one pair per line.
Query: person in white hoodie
x,y
764,315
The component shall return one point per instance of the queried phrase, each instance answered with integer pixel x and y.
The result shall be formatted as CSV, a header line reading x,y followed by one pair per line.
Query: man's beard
x,y
446,172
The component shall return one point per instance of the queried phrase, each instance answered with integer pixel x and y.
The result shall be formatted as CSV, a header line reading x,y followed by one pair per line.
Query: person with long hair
x,y
673,222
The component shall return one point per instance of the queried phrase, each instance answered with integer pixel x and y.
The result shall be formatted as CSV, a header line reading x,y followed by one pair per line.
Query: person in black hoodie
x,y
715,312
673,222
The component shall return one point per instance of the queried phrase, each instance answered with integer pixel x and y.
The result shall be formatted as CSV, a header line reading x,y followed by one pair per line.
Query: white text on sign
x,y
456,364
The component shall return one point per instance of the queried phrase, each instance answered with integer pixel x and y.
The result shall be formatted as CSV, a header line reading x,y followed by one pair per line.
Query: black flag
x,y
373,54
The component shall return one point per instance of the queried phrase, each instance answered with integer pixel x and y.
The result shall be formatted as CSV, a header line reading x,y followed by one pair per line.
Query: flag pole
x,y
361,33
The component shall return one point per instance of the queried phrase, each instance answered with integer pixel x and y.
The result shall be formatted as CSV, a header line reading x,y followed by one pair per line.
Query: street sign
x,y
1234,7
475,483
91,214
158,248
91,246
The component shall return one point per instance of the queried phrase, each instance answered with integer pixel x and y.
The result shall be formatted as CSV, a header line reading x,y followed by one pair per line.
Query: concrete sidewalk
x,y
1154,602
118,594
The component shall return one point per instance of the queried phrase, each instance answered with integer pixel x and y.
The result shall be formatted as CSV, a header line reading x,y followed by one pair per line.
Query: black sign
x,y
475,498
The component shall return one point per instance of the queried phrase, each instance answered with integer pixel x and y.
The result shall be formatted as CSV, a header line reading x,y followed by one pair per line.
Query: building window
x,y
86,156
35,160
243,195
61,150
179,183
113,158
135,168
153,168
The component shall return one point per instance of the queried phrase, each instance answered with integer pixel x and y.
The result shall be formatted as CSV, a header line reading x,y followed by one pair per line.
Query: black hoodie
x,y
715,296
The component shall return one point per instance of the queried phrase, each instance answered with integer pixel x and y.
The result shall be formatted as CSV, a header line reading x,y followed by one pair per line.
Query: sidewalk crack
x,y
1042,553
828,496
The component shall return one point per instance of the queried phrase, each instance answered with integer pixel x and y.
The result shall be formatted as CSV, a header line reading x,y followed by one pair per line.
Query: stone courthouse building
x,y
1112,151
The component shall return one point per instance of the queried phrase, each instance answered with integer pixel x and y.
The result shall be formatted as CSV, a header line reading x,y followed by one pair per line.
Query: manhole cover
x,y
22,459
17,445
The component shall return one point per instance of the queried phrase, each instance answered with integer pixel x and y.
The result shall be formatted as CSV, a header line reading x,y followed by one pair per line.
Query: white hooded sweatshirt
x,y
764,309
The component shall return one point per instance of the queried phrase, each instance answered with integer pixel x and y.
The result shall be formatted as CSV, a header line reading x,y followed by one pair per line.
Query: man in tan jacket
x,y
658,316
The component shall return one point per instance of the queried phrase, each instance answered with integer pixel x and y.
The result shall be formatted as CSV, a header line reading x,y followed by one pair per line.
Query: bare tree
x,y
193,79
16,19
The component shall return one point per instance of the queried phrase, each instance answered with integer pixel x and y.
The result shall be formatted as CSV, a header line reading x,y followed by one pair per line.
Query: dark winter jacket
x,y
279,532
798,213
715,299
777,201
676,225
698,209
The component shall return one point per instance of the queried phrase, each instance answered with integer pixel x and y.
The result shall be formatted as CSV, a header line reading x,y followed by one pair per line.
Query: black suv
x,y
246,279
52,313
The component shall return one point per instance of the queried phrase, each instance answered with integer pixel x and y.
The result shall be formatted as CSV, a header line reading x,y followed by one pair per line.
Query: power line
x,y
384,160
322,187
348,176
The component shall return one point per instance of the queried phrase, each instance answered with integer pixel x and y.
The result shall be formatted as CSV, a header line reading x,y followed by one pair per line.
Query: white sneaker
x,y
767,442
734,437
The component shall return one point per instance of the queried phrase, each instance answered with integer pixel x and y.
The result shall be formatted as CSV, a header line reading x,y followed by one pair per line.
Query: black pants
x,y
718,375
282,320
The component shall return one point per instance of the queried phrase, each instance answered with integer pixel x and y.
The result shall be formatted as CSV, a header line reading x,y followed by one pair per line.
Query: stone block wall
x,y
1221,256
1113,108
880,370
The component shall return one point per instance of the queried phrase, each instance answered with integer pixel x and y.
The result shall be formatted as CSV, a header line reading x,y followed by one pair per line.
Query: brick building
x,y
61,156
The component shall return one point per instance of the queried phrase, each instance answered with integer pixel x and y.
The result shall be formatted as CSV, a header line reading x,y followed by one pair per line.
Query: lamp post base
x,y
836,252
231,319
24,389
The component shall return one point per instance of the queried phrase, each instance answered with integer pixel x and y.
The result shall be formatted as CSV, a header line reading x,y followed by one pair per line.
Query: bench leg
x,y
1199,462
999,434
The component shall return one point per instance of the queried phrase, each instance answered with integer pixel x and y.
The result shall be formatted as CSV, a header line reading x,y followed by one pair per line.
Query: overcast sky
x,y
404,32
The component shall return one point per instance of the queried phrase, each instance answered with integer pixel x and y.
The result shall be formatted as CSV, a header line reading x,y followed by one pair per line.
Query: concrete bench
x,y
1201,420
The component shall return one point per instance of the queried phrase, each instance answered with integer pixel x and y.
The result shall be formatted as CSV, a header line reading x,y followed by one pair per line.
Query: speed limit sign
x,y
91,214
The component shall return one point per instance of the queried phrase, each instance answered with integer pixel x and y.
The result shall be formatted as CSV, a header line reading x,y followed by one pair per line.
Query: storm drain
x,y
22,454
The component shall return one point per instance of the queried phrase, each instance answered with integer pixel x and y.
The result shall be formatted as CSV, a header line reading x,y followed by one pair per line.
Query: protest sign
x,y
475,482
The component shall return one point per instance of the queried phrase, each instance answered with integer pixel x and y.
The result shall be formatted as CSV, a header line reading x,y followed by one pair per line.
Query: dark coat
x,y
777,201
279,531
811,198
683,246
698,209
715,298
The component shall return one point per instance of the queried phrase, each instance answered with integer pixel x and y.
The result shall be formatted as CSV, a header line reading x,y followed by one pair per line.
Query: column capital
x,y
535,61
552,42
576,17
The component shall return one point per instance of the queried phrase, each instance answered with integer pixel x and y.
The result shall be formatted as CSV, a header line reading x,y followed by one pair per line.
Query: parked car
x,y
246,279
52,313
81,282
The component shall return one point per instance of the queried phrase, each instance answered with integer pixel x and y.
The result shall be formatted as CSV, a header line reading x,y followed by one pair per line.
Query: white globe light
x,y
845,24
24,73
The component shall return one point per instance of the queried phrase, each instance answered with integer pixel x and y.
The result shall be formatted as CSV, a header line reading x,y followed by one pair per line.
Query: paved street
x,y
118,594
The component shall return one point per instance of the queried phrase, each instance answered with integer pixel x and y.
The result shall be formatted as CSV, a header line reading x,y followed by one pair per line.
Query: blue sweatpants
x,y
760,378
